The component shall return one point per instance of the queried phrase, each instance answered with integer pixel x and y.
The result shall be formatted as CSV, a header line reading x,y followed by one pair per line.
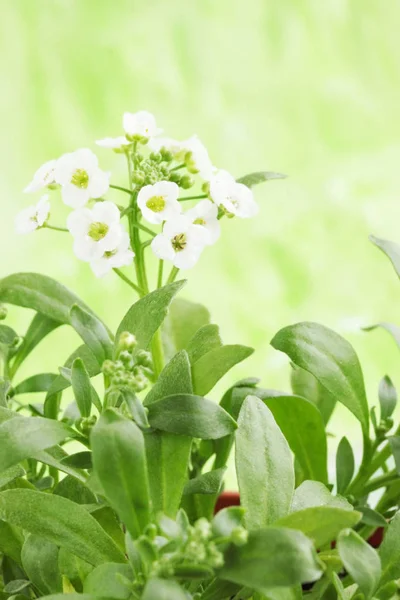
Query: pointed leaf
x,y
259,177
93,332
207,338
360,560
82,387
35,384
175,378
264,465
41,325
40,563
387,397
306,385
331,359
314,493
163,589
206,483
210,367
91,364
60,521
389,551
344,465
391,250
185,318
110,580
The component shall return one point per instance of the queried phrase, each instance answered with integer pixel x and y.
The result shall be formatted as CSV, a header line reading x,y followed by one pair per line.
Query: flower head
x,y
33,217
181,242
159,202
197,158
95,231
43,177
235,197
120,256
117,143
205,214
80,177
141,125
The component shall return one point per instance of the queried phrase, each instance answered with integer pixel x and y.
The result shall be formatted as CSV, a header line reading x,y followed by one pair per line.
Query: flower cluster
x,y
156,179
133,368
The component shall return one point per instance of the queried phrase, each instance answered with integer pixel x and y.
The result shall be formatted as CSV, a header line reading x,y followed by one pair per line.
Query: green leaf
x,y
391,250
41,293
11,541
387,397
344,465
7,335
228,519
145,316
91,363
75,569
264,465
74,490
10,474
360,560
25,436
80,460
135,406
331,359
301,423
82,387
60,521
119,462
306,385
194,416
35,384
175,378
207,338
320,523
40,563
314,493
16,586
389,552
167,452
259,177
394,442
185,318
163,589
209,369
273,557
5,387
206,483
111,580
372,517
93,332
40,327
393,330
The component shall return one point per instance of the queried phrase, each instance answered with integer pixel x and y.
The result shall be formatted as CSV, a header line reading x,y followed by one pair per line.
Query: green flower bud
x,y
167,155
127,341
139,157
138,177
156,156
215,558
206,187
202,528
108,367
239,536
151,531
144,358
175,177
186,182
126,358
3,312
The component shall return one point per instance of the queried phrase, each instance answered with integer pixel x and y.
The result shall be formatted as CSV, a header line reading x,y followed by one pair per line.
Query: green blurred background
x,y
307,88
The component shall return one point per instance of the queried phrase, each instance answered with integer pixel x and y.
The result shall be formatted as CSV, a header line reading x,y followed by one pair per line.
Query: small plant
x,y
114,495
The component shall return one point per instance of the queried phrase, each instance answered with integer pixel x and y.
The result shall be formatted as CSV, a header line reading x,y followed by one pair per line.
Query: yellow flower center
x,y
109,253
80,178
199,221
97,231
156,203
179,242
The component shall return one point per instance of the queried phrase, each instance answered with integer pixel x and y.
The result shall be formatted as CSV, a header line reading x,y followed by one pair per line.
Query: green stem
x,y
47,226
128,281
178,167
157,352
173,275
192,197
144,228
121,189
381,481
160,273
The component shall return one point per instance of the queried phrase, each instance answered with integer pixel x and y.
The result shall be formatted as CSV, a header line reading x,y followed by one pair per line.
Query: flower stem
x,y
143,228
178,167
47,226
128,281
173,275
160,274
121,189
192,197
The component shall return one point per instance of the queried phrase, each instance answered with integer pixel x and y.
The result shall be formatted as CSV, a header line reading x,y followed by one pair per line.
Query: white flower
x,y
181,242
197,158
173,146
43,177
237,198
117,143
140,125
159,202
120,256
95,231
33,217
80,177
205,213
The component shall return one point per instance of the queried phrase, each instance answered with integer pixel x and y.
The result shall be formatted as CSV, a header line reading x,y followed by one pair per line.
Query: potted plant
x,y
114,495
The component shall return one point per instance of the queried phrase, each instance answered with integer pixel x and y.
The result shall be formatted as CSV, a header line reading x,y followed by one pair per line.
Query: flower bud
x,y
239,536
151,531
3,312
127,341
138,177
203,528
167,155
175,177
108,367
156,156
186,182
126,358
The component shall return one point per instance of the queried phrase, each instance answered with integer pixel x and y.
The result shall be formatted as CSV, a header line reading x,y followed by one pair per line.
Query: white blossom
x,y
205,214
43,177
117,143
235,197
140,125
173,146
159,202
33,217
181,242
197,158
80,177
120,256
95,231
